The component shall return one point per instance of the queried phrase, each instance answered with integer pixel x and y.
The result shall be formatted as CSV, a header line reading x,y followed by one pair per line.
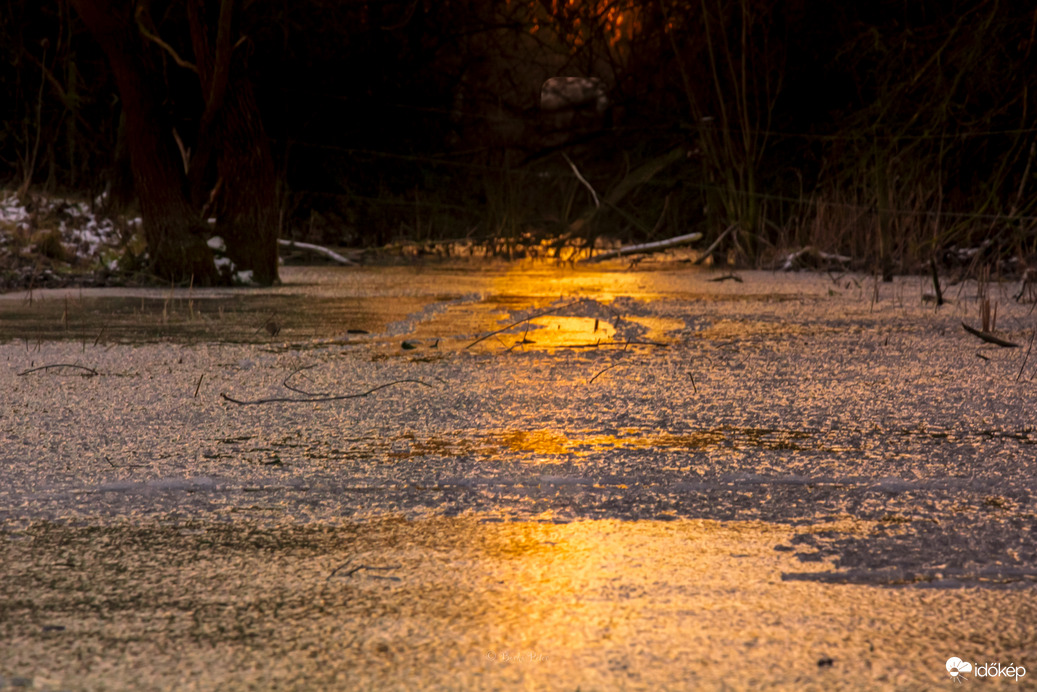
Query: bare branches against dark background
x,y
886,130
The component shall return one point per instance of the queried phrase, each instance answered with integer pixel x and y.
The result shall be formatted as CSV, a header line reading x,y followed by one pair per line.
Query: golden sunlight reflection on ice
x,y
545,281
457,603
559,331
637,605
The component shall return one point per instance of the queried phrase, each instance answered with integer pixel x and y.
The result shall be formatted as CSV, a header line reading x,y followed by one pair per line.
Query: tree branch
x,y
154,38
646,247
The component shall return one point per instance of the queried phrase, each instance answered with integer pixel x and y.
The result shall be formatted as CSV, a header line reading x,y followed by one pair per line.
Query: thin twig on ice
x,y
90,371
319,399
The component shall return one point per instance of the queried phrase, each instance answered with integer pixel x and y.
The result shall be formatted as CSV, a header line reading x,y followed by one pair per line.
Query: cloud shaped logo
x,y
957,668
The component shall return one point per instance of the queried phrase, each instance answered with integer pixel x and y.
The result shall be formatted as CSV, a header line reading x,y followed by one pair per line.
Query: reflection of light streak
x,y
584,315
583,592
539,446
552,282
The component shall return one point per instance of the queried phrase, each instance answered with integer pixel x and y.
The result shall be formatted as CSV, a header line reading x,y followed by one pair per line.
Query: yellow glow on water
x,y
545,281
453,603
573,308
541,444
554,331
639,605
583,591
539,441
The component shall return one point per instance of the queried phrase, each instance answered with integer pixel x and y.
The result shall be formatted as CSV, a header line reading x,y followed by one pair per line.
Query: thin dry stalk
x,y
1027,356
936,283
601,372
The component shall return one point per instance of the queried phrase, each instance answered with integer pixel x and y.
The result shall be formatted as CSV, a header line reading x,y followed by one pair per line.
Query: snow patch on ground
x,y
85,237
42,239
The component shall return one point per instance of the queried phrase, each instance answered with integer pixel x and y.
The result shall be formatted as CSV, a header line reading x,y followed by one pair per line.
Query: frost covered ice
x,y
722,470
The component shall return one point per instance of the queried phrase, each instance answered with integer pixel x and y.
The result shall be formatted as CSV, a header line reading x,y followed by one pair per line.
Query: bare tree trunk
x,y
231,133
248,219
175,237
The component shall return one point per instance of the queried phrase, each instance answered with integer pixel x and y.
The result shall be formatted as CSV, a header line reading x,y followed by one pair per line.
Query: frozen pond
x,y
645,479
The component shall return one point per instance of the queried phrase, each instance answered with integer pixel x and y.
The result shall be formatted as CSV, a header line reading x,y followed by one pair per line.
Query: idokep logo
x,y
957,668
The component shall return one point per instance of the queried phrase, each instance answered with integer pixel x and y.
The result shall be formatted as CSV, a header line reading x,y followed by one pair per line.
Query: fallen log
x,y
325,252
646,247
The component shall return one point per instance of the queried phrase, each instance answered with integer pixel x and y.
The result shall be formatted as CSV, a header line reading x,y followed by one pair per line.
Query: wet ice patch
x,y
426,314
560,331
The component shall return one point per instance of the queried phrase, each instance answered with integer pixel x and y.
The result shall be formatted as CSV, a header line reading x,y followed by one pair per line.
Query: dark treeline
x,y
890,130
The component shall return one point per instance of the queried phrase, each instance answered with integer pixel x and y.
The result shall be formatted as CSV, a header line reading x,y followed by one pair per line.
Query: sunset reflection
x,y
563,283
575,309
586,604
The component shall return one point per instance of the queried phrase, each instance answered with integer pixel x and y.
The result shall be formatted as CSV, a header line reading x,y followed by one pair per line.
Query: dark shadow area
x,y
887,132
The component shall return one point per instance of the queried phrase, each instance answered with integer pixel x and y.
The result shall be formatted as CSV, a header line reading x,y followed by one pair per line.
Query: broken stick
x,y
988,337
